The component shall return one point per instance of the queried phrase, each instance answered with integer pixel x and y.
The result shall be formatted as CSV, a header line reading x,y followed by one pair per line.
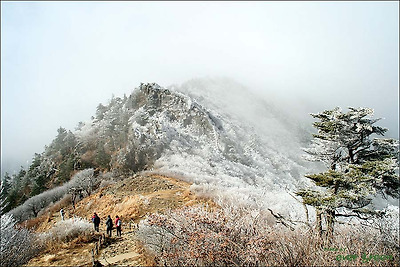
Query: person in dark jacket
x,y
109,224
96,221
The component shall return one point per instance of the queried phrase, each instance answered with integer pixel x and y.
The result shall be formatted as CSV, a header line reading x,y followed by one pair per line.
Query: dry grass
x,y
66,244
197,236
62,203
48,217
131,199
135,197
35,223
146,258
349,247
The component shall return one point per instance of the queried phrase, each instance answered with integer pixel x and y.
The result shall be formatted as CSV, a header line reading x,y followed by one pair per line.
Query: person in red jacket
x,y
118,224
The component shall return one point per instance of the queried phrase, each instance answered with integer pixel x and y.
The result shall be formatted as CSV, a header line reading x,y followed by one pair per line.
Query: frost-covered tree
x,y
101,109
82,182
343,138
5,188
102,157
37,175
85,180
34,205
16,245
17,191
62,155
358,167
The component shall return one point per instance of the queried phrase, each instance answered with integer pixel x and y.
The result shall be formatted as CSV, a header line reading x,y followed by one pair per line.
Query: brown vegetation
x,y
174,230
198,236
132,199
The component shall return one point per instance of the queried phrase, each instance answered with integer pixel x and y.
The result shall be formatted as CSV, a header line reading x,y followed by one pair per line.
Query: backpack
x,y
119,223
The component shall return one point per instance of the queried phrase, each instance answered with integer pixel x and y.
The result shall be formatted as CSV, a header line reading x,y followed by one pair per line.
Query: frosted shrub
x,y
389,227
35,204
85,181
67,230
107,179
17,245
195,236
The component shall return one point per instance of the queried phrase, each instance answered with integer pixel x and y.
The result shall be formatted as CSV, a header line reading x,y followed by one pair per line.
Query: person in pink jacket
x,y
118,224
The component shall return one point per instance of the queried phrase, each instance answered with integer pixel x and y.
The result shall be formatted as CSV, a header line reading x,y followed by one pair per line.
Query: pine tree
x,y
102,158
5,189
358,168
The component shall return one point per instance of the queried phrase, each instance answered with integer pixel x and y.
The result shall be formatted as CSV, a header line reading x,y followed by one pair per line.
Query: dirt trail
x,y
132,199
121,259
121,251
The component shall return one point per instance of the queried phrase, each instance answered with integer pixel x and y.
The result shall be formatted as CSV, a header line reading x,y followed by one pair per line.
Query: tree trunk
x,y
330,223
306,211
351,155
34,211
318,226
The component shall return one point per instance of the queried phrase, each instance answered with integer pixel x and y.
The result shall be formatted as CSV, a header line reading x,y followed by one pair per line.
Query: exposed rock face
x,y
162,129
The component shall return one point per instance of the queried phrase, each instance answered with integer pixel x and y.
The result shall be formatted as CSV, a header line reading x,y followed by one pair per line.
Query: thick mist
x,y
61,59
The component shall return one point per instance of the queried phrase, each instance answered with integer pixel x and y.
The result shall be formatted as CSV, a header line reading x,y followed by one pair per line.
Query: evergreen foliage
x,y
4,193
358,167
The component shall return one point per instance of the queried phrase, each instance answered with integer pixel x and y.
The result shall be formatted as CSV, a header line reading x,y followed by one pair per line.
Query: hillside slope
x,y
131,199
238,151
216,134
203,141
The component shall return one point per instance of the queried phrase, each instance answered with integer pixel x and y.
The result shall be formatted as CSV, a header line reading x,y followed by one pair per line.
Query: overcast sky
x,y
59,60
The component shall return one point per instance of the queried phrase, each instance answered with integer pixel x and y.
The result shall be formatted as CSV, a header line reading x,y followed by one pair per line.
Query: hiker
x,y
118,225
62,214
96,221
109,224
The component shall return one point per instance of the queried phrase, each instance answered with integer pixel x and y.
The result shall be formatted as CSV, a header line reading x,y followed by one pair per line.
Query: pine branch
x,y
305,208
281,220
353,215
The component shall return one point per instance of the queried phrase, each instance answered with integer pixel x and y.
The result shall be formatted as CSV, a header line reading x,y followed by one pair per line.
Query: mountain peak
x,y
238,146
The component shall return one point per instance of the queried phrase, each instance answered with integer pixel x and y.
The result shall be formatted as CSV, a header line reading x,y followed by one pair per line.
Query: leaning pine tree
x,y
358,167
